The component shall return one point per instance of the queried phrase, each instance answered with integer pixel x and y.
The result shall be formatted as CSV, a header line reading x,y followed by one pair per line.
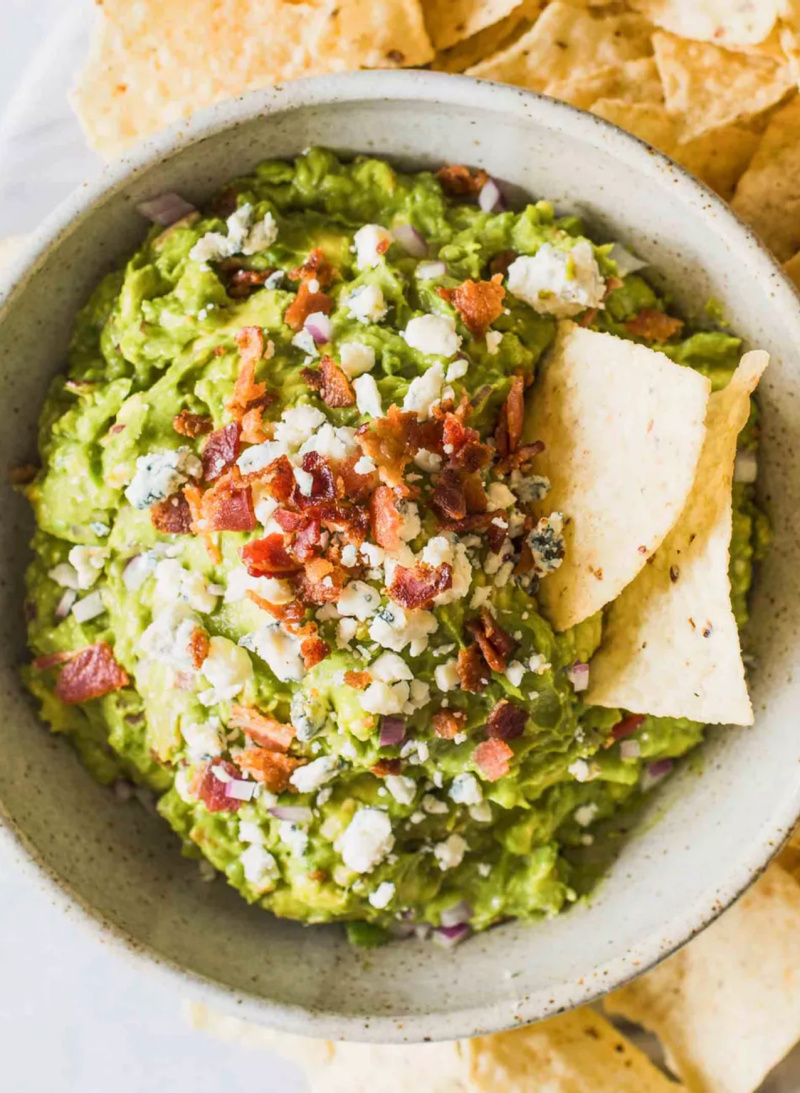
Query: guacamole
x,y
285,569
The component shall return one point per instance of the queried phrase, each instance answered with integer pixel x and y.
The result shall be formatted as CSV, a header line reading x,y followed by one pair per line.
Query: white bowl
x,y
718,822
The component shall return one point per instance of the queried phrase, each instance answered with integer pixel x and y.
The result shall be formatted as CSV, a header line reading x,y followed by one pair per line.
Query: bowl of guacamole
x,y
394,537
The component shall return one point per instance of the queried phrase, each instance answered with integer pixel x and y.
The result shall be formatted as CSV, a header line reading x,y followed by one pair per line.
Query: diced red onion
x,y
319,326
165,209
90,607
240,790
428,271
410,240
745,469
64,605
456,915
447,937
578,675
490,199
295,814
656,772
393,731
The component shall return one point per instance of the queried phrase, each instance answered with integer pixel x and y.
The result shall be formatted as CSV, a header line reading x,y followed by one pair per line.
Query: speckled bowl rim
x,y
428,89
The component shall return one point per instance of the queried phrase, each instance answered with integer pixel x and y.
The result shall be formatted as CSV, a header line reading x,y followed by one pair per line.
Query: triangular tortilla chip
x,y
487,42
631,81
727,1007
768,193
671,643
792,268
450,21
745,22
719,158
155,61
706,87
623,427
566,42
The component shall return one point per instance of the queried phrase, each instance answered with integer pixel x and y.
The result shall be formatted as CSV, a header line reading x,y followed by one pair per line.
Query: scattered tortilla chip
x,y
631,81
719,159
566,42
623,427
706,87
450,21
578,1052
485,43
745,22
671,643
792,267
150,65
768,193
727,1007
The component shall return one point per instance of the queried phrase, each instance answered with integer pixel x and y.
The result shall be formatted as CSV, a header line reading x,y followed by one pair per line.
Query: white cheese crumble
x,y
304,480
88,564
293,837
159,474
547,544
243,237
430,462
358,599
401,787
450,853
433,806
465,789
366,841
203,739
227,668
304,341
425,391
385,698
586,814
393,628
368,397
446,675
271,589
457,370
539,664
174,584
514,673
382,896
582,771
315,775
499,496
433,335
481,813
390,668
88,608
410,523
167,637
371,242
260,867
331,442
442,549
279,649
355,358
556,282
493,339
367,304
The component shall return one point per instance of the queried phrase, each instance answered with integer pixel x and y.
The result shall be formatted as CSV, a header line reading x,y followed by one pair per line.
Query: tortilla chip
x,y
671,643
719,159
727,1007
487,42
623,427
745,22
151,65
707,87
450,21
632,81
768,193
578,1052
792,268
567,42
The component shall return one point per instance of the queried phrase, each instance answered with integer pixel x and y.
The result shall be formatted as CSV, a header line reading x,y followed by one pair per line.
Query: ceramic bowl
x,y
709,830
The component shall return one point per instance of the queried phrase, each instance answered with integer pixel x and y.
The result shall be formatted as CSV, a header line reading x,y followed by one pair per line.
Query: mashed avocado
x,y
307,621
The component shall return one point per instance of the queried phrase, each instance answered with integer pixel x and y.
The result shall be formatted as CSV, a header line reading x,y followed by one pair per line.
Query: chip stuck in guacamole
x,y
306,511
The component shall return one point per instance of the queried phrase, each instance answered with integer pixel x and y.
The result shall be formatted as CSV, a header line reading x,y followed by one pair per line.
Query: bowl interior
x,y
718,821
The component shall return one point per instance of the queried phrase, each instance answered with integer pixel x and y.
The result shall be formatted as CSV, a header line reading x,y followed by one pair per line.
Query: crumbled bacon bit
x,y
253,431
314,650
491,757
495,644
243,282
345,517
304,304
506,721
268,557
328,590
449,723
473,671
330,383
278,479
359,680
172,516
211,790
306,539
227,506
385,520
52,660
653,325
272,768
478,303
463,445
353,484
460,181
386,766
319,568
392,441
188,424
511,419
525,454
261,728
627,726
220,451
495,537
199,644
315,268
418,587
90,673
289,614
323,484
449,497
246,391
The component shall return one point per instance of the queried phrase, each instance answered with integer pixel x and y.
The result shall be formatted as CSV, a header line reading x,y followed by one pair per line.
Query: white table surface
x,y
75,1017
